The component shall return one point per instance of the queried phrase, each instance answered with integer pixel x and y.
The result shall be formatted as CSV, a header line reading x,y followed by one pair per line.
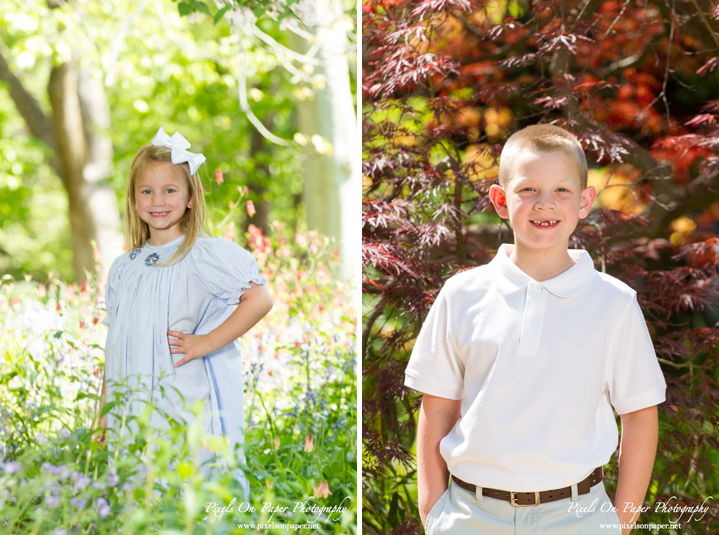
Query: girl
x,y
171,299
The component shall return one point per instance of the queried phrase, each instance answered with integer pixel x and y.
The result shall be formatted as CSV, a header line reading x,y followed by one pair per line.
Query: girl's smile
x,y
162,196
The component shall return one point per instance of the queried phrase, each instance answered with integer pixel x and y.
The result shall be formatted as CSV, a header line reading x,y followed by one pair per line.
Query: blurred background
x,y
444,84
265,92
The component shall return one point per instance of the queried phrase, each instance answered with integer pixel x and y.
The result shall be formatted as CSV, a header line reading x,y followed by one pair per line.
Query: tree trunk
x,y
69,133
98,169
262,208
82,157
332,176
82,122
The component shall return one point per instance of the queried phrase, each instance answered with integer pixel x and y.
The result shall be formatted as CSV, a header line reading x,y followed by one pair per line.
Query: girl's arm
x,y
255,304
640,430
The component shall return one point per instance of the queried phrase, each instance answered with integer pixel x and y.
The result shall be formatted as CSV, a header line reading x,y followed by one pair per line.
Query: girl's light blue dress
x,y
195,296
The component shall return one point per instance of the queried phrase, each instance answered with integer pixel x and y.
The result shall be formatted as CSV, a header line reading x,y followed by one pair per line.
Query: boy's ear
x,y
588,196
499,200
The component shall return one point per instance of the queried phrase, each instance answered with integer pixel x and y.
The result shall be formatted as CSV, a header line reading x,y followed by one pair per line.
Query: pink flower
x,y
309,443
251,209
301,239
41,290
219,178
322,489
230,231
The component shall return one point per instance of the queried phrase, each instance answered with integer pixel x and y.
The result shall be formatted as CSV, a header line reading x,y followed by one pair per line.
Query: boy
x,y
519,361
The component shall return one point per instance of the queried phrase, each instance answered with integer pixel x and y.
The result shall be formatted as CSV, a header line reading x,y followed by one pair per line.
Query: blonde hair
x,y
542,138
192,223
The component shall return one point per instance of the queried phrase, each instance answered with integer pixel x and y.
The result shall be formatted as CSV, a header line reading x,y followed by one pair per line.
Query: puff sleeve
x,y
634,378
225,269
113,283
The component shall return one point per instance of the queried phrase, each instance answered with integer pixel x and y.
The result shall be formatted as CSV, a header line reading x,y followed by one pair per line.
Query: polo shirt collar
x,y
510,278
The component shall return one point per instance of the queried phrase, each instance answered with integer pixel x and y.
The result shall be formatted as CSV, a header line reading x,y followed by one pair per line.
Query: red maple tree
x,y
445,82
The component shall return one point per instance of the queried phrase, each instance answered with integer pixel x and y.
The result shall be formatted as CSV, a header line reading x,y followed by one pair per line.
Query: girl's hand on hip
x,y
193,346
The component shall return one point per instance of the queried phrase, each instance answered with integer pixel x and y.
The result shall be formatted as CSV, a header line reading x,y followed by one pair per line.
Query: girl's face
x,y
161,197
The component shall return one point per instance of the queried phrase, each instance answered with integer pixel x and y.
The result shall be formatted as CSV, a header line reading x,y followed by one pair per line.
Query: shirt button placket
x,y
534,310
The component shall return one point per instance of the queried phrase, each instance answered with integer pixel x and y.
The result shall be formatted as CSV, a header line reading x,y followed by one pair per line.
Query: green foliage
x,y
166,71
300,441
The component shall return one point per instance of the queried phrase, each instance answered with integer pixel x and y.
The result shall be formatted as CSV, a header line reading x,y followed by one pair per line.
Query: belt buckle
x,y
513,500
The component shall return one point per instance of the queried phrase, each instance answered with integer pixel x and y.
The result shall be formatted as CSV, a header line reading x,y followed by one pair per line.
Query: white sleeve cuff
x,y
432,389
640,402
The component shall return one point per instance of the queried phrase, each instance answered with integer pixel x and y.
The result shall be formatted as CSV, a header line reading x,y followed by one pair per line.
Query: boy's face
x,y
543,200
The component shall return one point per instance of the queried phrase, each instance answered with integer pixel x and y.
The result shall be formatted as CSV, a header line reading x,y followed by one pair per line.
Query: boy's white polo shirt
x,y
538,367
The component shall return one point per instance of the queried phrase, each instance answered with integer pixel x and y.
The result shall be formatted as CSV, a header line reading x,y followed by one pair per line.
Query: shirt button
x,y
533,316
537,288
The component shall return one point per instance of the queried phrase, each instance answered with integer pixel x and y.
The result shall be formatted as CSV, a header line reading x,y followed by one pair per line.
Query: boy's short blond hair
x,y
541,138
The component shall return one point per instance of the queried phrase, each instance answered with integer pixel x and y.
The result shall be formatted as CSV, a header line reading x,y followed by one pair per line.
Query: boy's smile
x,y
544,202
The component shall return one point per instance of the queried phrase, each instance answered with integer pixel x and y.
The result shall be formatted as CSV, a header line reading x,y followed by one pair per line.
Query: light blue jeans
x,y
459,512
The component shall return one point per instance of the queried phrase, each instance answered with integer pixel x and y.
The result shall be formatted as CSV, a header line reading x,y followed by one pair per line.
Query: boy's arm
x,y
437,416
255,304
640,432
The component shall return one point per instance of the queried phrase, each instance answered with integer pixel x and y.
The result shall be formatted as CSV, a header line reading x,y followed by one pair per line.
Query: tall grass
x,y
300,440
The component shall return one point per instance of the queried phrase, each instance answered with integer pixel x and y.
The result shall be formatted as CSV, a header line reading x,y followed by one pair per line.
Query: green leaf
x,y
106,408
83,395
258,11
184,9
201,6
221,13
58,334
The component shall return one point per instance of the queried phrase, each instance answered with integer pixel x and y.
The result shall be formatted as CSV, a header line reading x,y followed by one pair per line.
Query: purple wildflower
x,y
11,467
103,508
52,502
79,502
113,479
80,480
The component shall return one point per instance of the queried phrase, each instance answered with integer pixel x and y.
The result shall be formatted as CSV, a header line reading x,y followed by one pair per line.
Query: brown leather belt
x,y
524,499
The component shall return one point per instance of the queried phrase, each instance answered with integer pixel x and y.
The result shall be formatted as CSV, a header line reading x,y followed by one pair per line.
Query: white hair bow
x,y
179,146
